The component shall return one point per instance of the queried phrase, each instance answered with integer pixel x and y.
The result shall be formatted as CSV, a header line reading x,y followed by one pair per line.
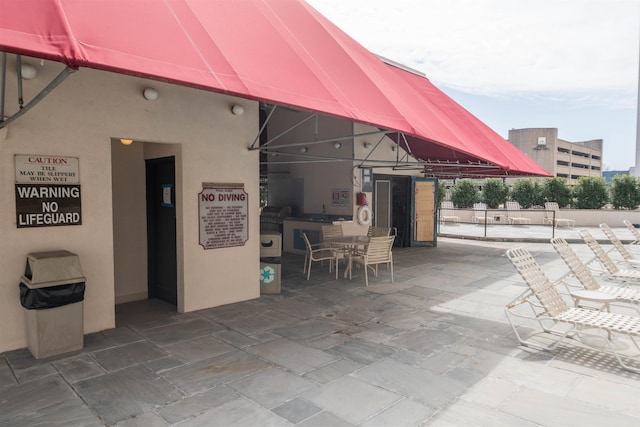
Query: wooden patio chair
x,y
610,269
581,272
378,251
634,232
447,213
554,218
480,214
513,214
318,253
556,318
626,254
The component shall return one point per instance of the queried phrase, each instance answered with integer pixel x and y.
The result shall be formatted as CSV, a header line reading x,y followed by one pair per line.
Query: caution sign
x,y
47,205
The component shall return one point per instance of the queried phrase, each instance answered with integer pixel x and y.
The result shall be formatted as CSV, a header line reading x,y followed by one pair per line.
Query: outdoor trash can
x,y
270,275
52,293
270,260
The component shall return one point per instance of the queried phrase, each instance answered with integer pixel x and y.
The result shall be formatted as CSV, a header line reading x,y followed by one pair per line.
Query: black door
x,y
161,229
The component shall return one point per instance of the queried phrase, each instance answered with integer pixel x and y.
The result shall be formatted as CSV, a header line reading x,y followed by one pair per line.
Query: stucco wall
x,y
79,119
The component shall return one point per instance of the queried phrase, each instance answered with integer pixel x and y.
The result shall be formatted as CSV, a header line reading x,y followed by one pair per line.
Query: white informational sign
x,y
224,215
39,169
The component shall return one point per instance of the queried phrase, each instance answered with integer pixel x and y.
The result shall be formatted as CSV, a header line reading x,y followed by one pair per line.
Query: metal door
x,y
161,229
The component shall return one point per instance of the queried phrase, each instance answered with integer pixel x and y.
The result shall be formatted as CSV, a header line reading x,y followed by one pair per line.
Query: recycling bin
x,y
270,262
52,294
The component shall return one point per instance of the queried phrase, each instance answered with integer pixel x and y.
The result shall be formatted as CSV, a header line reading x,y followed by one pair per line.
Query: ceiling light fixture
x,y
28,71
126,141
150,94
304,149
337,145
237,110
367,144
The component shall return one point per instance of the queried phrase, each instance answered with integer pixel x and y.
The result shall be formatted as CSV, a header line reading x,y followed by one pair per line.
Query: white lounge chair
x,y
480,214
586,281
553,217
619,246
634,231
447,213
610,269
513,214
556,318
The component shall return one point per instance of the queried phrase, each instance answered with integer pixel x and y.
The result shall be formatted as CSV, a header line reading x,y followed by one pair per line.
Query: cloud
x,y
494,47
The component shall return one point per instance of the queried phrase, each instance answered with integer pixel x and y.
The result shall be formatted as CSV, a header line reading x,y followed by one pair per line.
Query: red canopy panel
x,y
278,51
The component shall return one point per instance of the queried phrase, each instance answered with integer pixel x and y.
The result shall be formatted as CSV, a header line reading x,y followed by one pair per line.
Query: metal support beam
x,y
54,83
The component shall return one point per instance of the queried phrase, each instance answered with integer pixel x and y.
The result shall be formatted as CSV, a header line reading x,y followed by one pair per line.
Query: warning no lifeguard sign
x,y
224,219
47,191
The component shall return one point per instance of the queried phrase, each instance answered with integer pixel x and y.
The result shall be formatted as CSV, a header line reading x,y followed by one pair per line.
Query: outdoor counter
x,y
291,229
293,243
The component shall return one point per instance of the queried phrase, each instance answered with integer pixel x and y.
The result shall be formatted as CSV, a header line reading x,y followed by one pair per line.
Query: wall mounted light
x,y
237,110
366,145
150,94
304,149
28,71
393,148
337,145
126,141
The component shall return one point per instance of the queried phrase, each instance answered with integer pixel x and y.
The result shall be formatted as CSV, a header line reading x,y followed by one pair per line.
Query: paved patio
x,y
431,349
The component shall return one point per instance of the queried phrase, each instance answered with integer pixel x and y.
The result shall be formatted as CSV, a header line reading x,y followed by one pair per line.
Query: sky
x,y
565,64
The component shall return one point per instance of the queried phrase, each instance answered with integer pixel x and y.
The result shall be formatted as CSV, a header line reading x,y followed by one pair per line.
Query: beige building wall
x,y
82,118
565,159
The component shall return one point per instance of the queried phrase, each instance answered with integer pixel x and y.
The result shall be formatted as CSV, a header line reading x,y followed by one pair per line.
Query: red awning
x,y
278,51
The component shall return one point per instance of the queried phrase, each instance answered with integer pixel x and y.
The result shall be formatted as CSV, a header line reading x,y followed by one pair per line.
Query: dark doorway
x,y
399,197
161,229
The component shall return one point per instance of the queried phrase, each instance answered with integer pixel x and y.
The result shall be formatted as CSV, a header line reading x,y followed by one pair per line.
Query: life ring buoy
x,y
364,215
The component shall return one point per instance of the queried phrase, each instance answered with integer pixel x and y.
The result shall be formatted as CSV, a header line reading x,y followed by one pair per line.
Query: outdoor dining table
x,y
349,244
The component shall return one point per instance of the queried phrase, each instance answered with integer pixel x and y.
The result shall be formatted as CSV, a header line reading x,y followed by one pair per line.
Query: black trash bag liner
x,y
271,260
51,296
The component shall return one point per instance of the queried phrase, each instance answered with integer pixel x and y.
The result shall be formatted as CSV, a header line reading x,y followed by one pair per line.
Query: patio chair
x,y
619,246
513,214
553,217
447,213
634,232
556,318
378,231
581,272
318,253
332,231
378,251
329,231
611,270
480,214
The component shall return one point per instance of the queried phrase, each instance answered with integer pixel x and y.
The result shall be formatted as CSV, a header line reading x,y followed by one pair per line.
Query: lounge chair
x,y
513,214
553,212
480,214
619,246
634,231
611,270
586,280
447,213
556,318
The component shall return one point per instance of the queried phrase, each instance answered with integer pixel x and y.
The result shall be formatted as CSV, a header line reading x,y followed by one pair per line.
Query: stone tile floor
x,y
431,349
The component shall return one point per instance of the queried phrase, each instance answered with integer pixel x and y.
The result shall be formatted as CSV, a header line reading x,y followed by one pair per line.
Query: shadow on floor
x,y
143,311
